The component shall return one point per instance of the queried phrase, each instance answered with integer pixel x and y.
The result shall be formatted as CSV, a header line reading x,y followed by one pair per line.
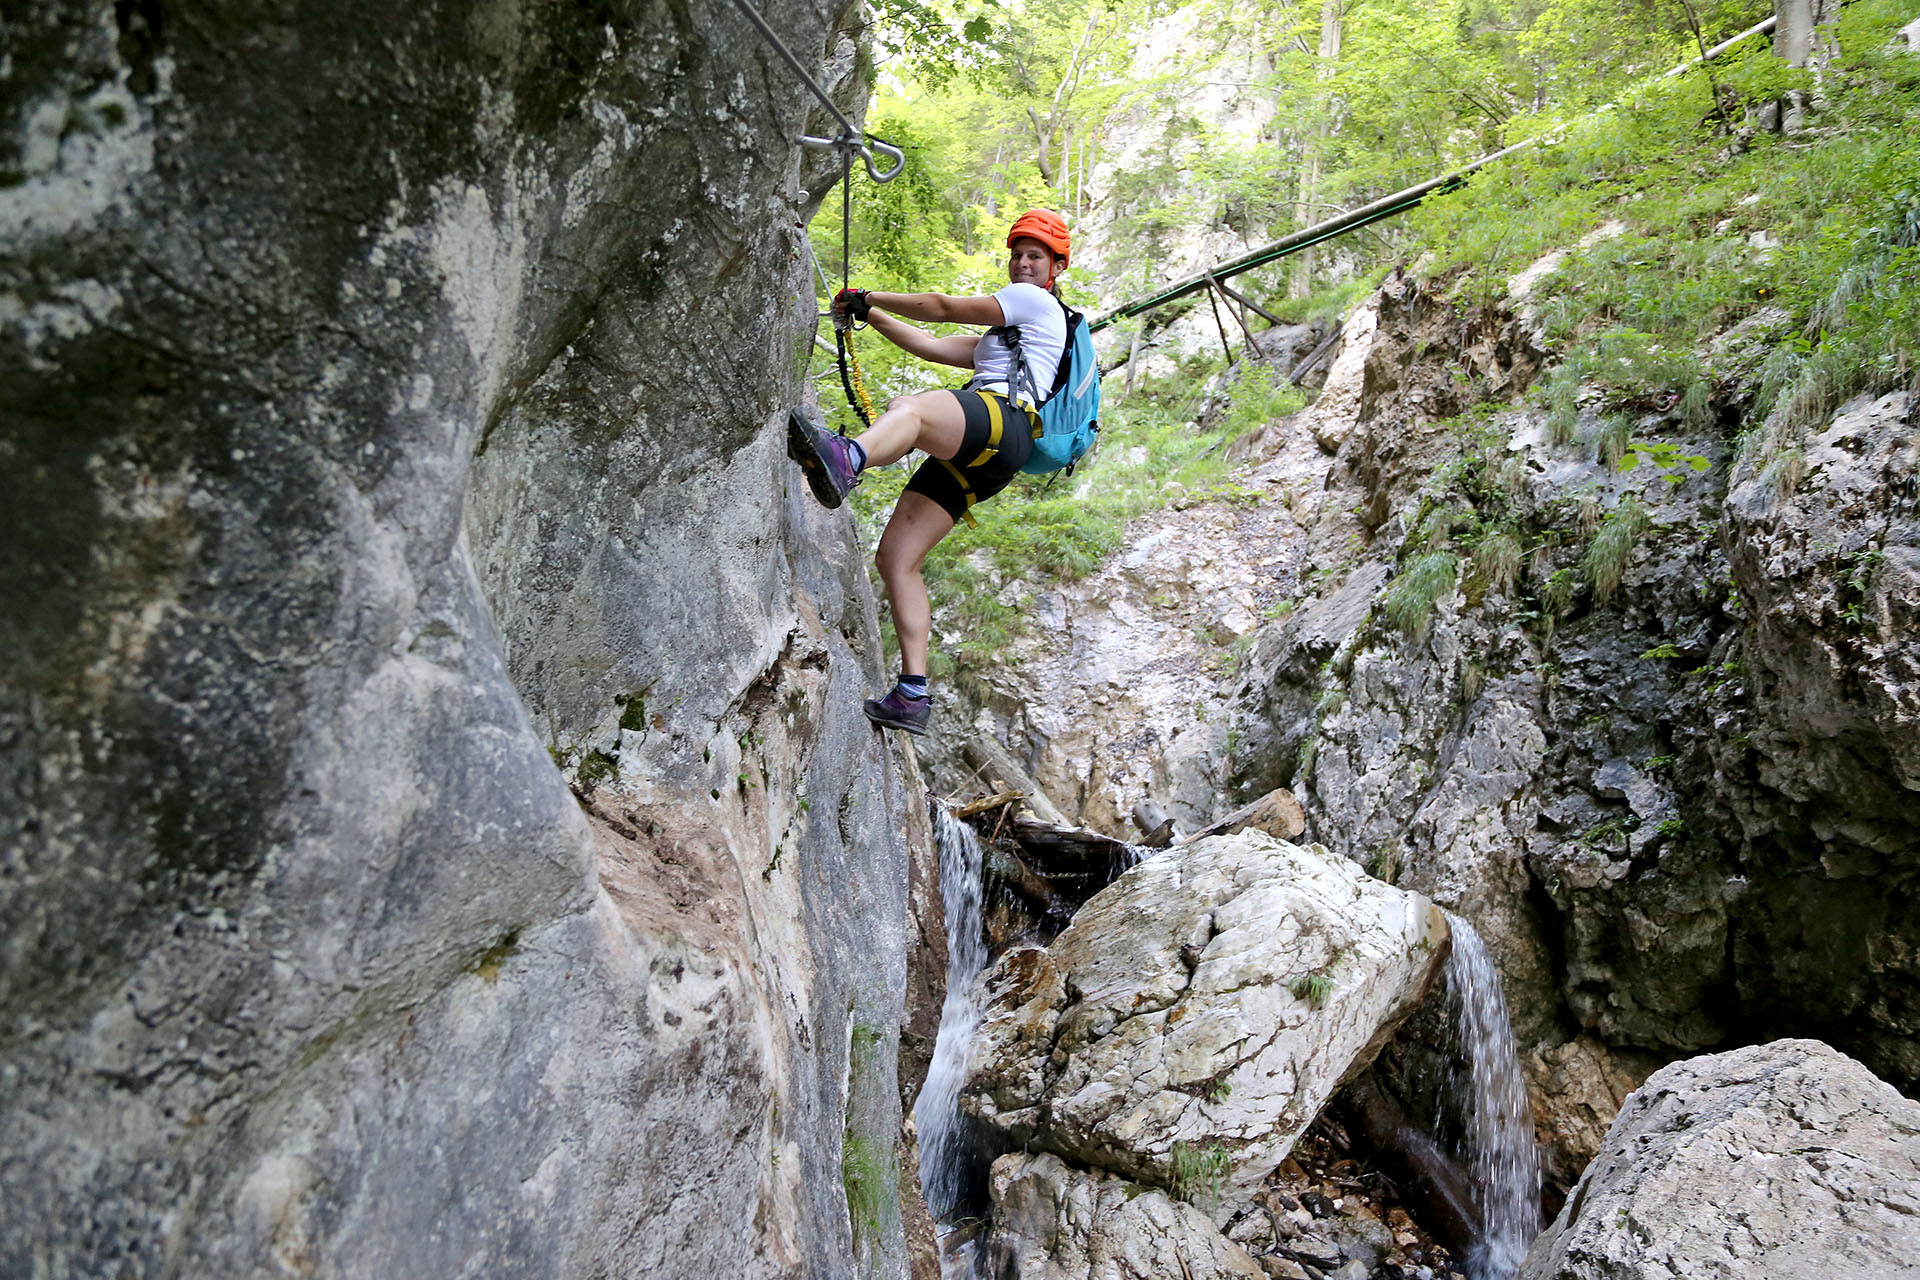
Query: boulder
x,y
1199,1011
1054,1222
1782,1160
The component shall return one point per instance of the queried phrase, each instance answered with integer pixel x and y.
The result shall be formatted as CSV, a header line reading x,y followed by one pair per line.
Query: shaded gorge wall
x,y
386,399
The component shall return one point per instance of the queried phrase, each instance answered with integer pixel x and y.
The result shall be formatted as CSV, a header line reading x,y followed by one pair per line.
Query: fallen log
x,y
1277,813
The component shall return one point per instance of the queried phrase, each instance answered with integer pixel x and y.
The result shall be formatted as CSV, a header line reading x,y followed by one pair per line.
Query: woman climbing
x,y
976,439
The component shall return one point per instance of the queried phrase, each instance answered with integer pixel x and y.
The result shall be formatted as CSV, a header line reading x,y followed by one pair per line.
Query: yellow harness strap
x,y
995,424
960,478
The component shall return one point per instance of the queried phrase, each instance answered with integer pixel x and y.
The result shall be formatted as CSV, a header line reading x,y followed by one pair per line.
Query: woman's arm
x,y
956,350
940,308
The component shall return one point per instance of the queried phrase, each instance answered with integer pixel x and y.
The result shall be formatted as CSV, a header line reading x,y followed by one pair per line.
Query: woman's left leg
x,y
916,526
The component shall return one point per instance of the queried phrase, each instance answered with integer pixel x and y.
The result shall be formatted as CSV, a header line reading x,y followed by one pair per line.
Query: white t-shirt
x,y
1043,337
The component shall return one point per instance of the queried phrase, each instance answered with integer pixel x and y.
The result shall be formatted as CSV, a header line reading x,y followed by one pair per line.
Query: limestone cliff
x,y
388,415
1668,792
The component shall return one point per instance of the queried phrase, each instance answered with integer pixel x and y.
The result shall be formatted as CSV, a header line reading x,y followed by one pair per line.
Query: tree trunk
x,y
1329,56
1042,140
1804,34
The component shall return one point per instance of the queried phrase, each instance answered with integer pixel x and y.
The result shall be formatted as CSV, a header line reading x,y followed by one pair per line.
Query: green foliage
x,y
1384,866
1304,759
1016,119
1199,1170
1563,404
1664,455
1610,441
1256,401
1496,563
1556,593
1628,308
596,767
871,1180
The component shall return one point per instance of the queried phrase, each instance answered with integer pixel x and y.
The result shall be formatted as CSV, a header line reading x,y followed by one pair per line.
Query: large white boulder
x,y
1054,1222
1200,1011
1780,1161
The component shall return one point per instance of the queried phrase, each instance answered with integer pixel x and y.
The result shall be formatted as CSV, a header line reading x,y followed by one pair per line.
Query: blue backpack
x,y
1070,415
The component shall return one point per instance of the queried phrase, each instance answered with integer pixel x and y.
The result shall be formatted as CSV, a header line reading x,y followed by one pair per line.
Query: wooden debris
x,y
986,803
1155,823
992,760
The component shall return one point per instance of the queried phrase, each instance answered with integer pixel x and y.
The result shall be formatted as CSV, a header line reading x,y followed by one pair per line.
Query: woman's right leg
x,y
931,421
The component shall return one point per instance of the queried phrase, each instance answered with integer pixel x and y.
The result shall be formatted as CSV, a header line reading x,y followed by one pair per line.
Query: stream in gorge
x,y
1501,1153
946,1162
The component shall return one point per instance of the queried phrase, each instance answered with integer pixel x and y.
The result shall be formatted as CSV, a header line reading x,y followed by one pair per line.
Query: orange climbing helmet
x,y
1046,226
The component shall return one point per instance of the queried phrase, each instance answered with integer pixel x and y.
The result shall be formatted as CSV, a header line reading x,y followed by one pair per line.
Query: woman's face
x,y
1031,263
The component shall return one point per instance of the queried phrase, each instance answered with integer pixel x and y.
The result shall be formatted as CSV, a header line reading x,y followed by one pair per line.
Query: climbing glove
x,y
853,302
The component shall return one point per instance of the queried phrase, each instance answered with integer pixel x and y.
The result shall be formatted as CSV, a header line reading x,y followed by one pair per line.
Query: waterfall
x,y
943,1148
1506,1165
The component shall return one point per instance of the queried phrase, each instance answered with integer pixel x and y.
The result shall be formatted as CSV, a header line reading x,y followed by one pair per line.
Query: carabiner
x,y
863,145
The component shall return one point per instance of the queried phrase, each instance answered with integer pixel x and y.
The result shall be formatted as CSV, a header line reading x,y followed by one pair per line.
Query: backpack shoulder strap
x,y
1063,370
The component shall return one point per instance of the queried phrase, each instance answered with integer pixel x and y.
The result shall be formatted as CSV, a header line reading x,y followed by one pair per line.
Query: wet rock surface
x,y
1779,1161
392,444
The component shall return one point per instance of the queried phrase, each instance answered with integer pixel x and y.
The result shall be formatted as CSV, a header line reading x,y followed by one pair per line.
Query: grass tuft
x,y
1199,1171
1610,440
1496,563
1605,563
1563,406
1312,988
871,1180
1411,600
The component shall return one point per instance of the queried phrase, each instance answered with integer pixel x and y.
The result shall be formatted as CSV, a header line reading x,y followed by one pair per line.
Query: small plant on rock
x,y
1496,563
1197,1170
1313,988
868,1174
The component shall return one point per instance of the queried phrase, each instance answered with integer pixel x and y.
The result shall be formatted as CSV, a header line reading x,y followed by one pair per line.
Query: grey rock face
x,y
1054,1222
388,396
1203,1007
1777,1161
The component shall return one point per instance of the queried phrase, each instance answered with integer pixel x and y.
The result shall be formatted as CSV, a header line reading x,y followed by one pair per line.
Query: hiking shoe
x,y
825,456
900,710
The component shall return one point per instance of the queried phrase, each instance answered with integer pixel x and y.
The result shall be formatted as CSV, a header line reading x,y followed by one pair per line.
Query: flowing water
x,y
944,1163
950,1169
1505,1162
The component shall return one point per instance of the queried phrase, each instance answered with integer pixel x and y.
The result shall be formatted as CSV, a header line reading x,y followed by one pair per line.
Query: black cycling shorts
x,y
998,442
